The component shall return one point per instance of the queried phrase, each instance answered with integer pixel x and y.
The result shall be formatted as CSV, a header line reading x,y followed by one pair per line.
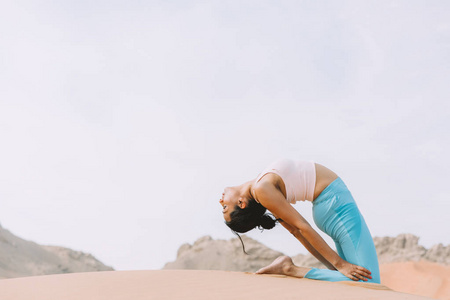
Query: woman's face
x,y
231,197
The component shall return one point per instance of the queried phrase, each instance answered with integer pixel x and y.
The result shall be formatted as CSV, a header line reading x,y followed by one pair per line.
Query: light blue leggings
x,y
336,213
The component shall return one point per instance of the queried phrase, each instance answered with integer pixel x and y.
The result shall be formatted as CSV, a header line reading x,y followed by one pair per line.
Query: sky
x,y
122,121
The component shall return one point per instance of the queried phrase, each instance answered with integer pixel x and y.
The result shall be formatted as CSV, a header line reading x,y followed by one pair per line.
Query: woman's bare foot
x,y
283,265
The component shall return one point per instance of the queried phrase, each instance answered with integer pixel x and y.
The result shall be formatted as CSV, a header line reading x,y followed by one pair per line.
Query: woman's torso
x,y
323,177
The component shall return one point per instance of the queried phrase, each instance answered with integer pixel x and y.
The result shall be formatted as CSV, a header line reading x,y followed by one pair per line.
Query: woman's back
x,y
297,180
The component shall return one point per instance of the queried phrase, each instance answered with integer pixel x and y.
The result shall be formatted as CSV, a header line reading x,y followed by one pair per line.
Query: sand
x,y
186,284
419,278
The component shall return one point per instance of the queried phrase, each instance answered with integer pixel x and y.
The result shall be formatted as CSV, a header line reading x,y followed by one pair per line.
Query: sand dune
x,y
422,276
23,258
419,278
186,284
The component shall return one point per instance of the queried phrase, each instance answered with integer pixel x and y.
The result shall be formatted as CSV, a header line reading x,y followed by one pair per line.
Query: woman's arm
x,y
272,199
295,232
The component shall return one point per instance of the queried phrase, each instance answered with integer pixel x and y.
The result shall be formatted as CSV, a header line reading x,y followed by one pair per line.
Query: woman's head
x,y
252,216
241,211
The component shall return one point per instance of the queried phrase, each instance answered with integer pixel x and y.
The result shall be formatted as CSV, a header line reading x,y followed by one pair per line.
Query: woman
x,y
334,210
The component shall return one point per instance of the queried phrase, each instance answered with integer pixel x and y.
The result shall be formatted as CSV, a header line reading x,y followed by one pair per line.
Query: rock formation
x,y
19,258
209,254
405,247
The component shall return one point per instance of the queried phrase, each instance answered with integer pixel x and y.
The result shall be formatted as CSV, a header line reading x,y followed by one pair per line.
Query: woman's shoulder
x,y
268,178
269,182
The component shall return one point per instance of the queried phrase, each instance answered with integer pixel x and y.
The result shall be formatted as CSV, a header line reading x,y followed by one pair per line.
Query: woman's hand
x,y
354,272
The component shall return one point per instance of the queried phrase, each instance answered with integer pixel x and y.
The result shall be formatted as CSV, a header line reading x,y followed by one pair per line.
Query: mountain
x,y
209,254
405,247
19,258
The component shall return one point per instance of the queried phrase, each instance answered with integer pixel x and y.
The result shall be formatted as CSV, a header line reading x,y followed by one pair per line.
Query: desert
x,y
214,269
139,138
185,284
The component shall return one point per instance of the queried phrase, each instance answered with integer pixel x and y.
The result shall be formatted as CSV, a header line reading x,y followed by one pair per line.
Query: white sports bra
x,y
299,178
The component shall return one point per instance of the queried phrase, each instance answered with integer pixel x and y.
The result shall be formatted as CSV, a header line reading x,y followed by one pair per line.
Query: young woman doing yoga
x,y
334,210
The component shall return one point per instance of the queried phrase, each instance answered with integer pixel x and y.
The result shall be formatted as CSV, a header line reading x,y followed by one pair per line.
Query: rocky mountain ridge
x,y
19,258
209,254
405,247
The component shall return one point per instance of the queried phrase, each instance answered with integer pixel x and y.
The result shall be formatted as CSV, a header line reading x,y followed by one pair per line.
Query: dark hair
x,y
252,216
248,218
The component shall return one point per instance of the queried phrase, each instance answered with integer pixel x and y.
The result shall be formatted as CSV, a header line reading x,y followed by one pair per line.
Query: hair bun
x,y
267,222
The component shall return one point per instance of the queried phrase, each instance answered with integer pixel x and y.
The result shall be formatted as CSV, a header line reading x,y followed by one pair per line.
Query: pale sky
x,y
122,121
